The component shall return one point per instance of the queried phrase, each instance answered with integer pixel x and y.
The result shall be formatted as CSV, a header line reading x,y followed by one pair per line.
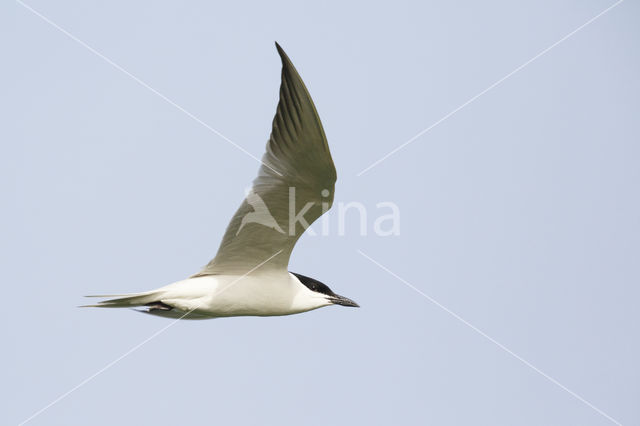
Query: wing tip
x,y
286,61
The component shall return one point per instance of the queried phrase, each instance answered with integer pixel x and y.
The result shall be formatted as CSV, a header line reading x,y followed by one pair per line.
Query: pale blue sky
x,y
519,213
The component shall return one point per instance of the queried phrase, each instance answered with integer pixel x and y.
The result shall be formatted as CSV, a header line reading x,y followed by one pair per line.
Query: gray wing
x,y
297,177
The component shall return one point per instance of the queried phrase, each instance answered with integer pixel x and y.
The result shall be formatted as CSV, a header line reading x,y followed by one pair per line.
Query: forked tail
x,y
151,302
149,299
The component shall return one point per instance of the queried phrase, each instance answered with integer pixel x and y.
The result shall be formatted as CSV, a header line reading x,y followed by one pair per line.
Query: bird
x,y
249,274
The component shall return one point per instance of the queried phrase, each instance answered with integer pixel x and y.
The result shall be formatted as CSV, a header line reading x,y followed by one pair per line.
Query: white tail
x,y
126,300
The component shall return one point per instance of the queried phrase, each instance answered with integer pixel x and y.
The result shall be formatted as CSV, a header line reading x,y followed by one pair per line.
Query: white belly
x,y
227,295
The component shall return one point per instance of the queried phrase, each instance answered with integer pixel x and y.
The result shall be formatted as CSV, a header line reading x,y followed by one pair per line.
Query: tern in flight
x,y
249,274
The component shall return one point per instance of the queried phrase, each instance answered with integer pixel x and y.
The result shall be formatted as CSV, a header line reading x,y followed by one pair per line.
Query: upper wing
x,y
296,180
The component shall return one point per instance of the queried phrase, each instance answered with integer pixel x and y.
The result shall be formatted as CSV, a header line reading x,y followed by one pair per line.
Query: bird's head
x,y
322,293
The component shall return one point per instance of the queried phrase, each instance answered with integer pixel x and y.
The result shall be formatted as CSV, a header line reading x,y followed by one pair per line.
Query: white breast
x,y
266,294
